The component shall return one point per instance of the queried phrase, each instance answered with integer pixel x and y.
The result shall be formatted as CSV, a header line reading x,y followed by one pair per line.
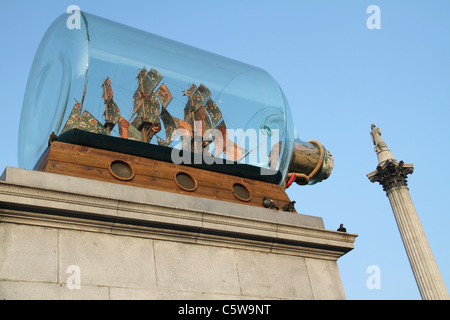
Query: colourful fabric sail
x,y
127,131
170,126
183,127
74,117
214,112
155,77
88,123
164,95
204,92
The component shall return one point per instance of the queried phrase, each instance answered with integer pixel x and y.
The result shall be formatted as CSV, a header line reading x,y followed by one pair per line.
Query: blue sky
x,y
338,76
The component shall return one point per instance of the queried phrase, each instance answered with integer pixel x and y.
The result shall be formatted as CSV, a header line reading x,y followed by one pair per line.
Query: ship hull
x,y
156,172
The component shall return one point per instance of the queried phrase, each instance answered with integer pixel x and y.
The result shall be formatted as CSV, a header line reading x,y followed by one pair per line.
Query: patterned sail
x,y
155,77
74,117
85,121
214,112
223,143
127,131
154,129
148,80
169,125
89,123
202,116
220,140
164,95
204,92
183,126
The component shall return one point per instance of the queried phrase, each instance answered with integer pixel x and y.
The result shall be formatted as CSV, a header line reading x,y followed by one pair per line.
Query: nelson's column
x,y
391,174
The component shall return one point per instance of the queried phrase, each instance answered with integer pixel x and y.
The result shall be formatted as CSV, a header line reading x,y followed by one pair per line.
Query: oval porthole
x,y
121,170
241,192
185,181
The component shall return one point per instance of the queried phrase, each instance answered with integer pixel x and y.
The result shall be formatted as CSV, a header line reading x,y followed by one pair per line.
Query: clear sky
x,y
338,76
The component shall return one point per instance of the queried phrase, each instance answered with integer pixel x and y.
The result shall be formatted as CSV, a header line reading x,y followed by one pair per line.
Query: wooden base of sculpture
x,y
92,163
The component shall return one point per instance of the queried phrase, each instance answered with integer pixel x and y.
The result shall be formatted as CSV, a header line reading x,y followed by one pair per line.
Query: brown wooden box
x,y
97,164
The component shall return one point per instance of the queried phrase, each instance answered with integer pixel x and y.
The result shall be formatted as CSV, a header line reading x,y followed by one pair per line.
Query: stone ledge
x,y
31,197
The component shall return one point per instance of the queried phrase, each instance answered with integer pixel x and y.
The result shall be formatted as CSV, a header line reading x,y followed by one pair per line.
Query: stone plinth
x,y
122,242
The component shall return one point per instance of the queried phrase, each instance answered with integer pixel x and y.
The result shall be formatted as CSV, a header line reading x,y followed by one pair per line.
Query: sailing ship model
x,y
139,152
150,109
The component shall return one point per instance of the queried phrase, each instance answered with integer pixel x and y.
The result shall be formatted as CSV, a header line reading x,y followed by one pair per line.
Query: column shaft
x,y
423,264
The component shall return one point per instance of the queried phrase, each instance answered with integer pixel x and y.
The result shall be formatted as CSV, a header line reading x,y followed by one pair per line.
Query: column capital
x,y
391,173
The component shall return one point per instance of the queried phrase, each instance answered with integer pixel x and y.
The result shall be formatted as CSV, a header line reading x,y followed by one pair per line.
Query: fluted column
x,y
424,266
392,175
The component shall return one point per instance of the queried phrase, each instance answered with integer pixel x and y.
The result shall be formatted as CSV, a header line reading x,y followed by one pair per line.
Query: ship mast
x,y
112,112
146,105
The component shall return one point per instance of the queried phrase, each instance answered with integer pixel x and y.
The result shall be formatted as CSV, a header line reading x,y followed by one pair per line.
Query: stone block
x,y
28,253
325,279
198,268
107,260
268,275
